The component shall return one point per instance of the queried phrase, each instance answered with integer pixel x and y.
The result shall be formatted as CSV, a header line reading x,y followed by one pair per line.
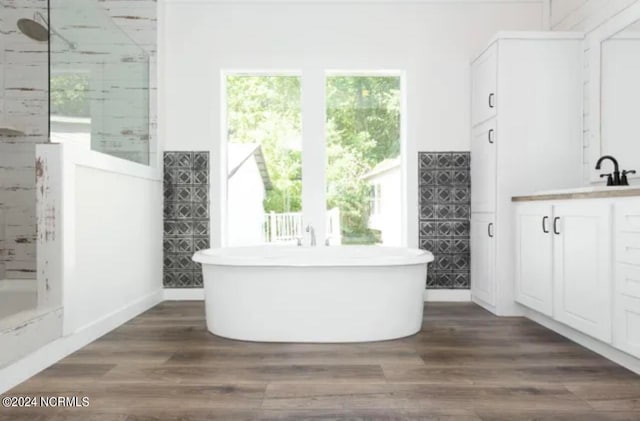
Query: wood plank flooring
x,y
465,364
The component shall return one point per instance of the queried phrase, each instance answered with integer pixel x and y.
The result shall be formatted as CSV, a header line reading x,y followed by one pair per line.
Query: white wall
x,y
245,206
586,16
432,42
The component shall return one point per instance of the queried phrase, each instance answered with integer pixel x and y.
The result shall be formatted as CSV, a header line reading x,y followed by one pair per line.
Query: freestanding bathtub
x,y
314,294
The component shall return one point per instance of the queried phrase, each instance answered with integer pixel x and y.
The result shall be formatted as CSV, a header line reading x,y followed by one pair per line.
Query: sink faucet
x,y
312,234
615,181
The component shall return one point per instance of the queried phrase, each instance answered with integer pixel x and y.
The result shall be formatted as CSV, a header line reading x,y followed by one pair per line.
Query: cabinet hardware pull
x,y
490,136
544,225
490,229
491,95
555,225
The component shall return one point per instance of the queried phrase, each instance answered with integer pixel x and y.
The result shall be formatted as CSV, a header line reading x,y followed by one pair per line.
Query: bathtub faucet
x,y
312,234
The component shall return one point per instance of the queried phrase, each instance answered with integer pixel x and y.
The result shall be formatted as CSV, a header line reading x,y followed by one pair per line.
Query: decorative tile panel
x,y
445,209
186,216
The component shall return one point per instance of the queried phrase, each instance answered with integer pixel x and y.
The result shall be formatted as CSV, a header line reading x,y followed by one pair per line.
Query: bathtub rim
x,y
209,257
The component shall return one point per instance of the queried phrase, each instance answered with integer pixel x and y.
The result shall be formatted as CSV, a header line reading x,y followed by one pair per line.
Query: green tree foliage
x,y
363,129
69,95
266,110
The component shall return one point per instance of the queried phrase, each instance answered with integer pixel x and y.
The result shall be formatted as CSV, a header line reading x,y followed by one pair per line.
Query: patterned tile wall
x,y
186,216
445,209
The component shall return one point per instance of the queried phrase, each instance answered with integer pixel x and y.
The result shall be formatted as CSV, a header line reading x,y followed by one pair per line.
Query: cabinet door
x,y
483,167
582,266
484,73
483,283
534,256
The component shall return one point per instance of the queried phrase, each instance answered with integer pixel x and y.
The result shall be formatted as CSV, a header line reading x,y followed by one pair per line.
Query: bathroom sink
x,y
589,189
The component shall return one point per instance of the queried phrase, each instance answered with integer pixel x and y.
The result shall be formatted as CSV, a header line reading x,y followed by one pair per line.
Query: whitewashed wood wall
x,y
23,84
24,96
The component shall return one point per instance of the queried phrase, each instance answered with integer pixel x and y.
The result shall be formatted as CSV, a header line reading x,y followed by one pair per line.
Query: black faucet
x,y
615,181
623,179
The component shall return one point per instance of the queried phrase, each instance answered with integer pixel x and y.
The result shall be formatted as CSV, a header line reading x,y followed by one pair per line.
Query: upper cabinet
x,y
614,92
484,85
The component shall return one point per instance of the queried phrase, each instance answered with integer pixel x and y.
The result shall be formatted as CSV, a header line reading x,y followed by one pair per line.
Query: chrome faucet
x,y
312,235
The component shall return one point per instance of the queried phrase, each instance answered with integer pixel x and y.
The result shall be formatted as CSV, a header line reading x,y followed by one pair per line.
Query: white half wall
x,y
109,235
432,42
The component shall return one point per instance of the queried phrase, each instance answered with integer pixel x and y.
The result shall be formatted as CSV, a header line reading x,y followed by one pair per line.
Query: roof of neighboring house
x,y
382,167
239,153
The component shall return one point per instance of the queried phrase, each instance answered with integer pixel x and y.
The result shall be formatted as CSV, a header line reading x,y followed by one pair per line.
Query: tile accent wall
x,y
445,210
186,216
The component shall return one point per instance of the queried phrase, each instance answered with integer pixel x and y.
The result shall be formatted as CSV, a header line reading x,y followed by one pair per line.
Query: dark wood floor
x,y
466,364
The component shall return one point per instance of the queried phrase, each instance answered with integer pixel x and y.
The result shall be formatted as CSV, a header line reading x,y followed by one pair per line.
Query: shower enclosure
x,y
23,124
69,74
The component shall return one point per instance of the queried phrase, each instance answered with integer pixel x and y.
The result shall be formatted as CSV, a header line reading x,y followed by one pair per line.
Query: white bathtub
x,y
314,294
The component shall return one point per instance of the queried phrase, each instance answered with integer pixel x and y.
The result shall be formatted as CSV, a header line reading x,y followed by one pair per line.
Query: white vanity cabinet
x,y
626,314
526,135
534,256
563,262
582,266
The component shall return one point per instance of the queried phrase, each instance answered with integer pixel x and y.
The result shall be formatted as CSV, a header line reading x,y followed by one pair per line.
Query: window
x,y
363,154
341,195
375,199
264,159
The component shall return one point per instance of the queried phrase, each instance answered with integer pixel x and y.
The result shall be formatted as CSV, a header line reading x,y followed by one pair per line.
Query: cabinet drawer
x,y
628,247
628,280
627,229
627,325
627,215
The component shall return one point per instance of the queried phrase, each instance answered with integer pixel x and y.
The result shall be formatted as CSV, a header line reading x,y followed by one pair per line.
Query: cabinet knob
x,y
491,96
544,225
490,136
555,225
490,229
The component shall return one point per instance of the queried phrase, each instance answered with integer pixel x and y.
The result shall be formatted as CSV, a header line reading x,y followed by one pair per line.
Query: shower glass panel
x,y
363,174
99,82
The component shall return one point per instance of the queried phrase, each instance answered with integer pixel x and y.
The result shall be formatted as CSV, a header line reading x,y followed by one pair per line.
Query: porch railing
x,y
288,227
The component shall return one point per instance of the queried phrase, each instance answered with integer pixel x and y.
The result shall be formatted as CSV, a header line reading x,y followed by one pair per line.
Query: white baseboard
x,y
447,295
53,352
594,345
184,294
